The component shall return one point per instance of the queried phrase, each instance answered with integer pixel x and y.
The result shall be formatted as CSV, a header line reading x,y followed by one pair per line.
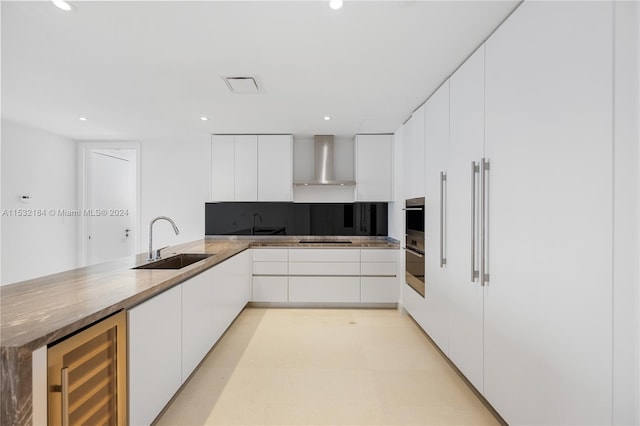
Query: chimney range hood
x,y
323,163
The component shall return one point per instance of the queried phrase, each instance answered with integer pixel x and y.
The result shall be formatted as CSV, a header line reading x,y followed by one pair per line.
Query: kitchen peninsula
x,y
42,311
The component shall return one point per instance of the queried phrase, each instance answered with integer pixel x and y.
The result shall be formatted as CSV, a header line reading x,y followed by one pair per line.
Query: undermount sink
x,y
178,261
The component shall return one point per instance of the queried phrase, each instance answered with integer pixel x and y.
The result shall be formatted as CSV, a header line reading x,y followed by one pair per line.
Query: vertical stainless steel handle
x,y
443,179
474,272
65,395
484,235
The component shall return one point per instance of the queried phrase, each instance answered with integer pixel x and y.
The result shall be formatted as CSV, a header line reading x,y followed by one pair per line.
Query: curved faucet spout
x,y
175,229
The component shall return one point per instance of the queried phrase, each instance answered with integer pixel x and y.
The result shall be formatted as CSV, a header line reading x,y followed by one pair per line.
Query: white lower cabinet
x,y
231,291
324,289
172,332
324,268
270,289
155,369
325,275
378,289
198,325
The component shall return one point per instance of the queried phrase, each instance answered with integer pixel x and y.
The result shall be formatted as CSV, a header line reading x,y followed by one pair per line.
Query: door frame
x,y
84,149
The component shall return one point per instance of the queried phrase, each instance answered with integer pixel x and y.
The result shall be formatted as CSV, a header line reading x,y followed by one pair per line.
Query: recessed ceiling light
x,y
204,118
61,4
326,118
335,4
82,118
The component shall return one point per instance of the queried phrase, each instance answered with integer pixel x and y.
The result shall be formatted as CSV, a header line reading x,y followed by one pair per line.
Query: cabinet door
x,y
466,93
246,168
231,290
414,139
437,151
198,327
222,168
374,171
275,164
378,290
324,289
154,355
270,289
548,315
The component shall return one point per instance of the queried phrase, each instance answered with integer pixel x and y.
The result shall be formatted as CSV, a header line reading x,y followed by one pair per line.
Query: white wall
x,y
43,166
175,182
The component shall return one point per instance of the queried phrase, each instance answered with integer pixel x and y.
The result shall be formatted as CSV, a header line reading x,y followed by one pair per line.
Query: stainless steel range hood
x,y
323,163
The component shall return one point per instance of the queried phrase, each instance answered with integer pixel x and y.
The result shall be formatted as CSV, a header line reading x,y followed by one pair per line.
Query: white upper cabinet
x,y
246,168
548,137
223,168
414,140
374,167
251,167
234,168
275,165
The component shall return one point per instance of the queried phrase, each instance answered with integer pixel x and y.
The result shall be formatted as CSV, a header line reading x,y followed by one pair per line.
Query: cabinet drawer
x,y
382,268
324,255
379,255
324,289
270,289
270,268
324,268
270,255
379,290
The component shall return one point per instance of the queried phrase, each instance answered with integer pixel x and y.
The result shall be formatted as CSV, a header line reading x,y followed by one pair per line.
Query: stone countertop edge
x,y
30,315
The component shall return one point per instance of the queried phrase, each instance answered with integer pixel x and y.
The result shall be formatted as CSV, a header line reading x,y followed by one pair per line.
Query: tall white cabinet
x,y
466,146
519,257
435,258
548,303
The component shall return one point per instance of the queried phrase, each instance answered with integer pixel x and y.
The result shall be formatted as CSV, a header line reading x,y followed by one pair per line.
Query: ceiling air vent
x,y
242,84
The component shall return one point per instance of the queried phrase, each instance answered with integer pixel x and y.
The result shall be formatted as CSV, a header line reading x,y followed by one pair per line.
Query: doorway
x,y
109,195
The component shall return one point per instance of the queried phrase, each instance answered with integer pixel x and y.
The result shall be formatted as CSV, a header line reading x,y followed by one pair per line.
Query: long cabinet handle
x,y
474,271
443,180
484,216
65,395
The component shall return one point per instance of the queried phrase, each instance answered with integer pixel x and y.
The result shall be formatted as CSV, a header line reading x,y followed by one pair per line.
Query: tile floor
x,y
325,367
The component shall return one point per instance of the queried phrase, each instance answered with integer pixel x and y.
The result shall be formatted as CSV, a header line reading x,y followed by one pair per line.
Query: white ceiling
x,y
151,69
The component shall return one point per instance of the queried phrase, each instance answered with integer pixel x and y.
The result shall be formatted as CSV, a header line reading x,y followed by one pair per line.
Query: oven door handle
x,y
415,253
413,209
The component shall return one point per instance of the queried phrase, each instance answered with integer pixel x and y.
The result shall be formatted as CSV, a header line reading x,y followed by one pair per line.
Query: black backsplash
x,y
348,219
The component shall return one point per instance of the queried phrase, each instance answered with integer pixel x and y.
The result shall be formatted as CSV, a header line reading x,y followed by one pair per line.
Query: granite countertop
x,y
42,310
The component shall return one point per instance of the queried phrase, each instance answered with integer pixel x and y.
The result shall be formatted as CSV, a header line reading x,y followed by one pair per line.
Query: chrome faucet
x,y
157,254
253,226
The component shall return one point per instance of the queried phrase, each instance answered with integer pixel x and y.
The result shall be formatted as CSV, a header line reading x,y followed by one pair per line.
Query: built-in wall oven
x,y
414,244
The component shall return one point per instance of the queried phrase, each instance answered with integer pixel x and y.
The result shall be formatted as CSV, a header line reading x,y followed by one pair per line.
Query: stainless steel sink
x,y
178,261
